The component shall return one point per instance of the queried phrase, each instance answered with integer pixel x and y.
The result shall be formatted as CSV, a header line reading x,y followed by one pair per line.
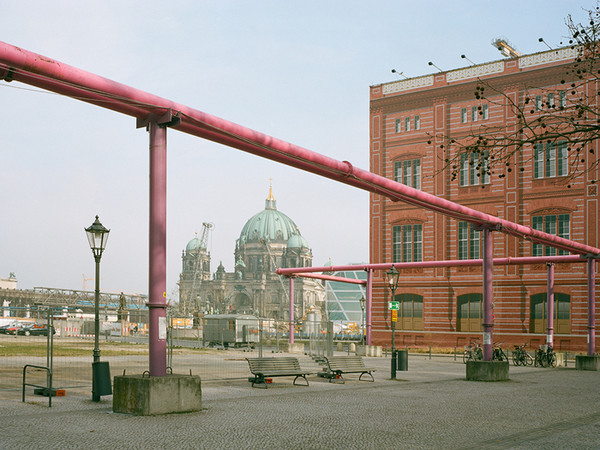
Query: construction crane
x,y
206,228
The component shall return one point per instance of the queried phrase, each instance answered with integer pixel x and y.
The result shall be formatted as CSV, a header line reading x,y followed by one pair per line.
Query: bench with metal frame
x,y
263,368
339,365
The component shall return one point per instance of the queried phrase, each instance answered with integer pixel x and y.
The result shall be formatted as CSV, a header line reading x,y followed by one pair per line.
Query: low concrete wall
x,y
487,370
584,362
369,350
147,396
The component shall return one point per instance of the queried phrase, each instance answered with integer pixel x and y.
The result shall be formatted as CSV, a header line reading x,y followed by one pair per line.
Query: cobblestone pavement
x,y
430,406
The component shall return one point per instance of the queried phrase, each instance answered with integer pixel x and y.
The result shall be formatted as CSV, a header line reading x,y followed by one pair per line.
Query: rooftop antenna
x,y
505,48
465,57
545,43
432,64
399,73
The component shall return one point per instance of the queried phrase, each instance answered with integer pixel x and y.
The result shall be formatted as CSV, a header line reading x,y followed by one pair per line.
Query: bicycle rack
x,y
47,388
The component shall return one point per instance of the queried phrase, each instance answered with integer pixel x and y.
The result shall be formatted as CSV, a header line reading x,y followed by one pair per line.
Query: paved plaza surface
x,y
429,406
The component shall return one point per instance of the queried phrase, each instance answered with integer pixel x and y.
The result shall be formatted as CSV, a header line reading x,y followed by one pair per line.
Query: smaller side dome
x,y
194,244
297,241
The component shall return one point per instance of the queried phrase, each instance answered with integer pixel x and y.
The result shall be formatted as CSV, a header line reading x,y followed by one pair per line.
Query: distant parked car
x,y
11,328
34,329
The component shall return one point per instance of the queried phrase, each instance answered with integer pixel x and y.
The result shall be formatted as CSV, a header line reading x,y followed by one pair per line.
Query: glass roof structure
x,y
343,299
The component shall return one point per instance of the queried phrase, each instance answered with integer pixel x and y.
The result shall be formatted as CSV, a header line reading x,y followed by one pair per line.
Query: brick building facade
x,y
409,120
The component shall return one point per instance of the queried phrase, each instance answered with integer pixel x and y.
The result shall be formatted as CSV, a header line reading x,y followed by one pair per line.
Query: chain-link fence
x,y
123,341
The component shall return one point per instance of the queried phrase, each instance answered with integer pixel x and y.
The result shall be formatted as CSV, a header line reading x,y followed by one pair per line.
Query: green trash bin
x,y
402,360
101,378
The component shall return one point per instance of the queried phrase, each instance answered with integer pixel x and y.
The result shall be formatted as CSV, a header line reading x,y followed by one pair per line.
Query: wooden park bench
x,y
263,368
339,365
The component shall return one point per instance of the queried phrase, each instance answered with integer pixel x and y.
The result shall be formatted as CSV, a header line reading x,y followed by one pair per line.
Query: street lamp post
x,y
363,300
97,236
393,277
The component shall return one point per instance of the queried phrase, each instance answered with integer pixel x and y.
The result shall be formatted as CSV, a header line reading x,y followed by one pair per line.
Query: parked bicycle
x,y
521,357
545,356
499,354
473,352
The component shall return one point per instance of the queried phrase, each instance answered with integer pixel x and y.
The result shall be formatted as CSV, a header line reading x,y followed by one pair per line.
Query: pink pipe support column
x,y
292,318
488,269
550,303
591,269
369,304
157,276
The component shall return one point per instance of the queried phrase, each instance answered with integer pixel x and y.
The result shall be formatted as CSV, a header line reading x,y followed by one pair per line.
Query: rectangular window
x,y
398,171
397,244
484,112
562,160
416,173
474,242
407,243
559,225
463,240
398,125
464,170
474,168
538,102
417,122
407,124
550,228
538,160
469,241
562,99
408,172
474,113
463,115
550,161
564,229
418,243
550,100
537,223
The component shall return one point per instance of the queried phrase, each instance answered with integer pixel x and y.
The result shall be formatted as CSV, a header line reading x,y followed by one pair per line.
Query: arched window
x,y
539,312
410,312
469,312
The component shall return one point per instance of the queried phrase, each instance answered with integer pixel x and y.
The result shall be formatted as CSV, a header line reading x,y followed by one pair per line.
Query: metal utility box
x,y
230,330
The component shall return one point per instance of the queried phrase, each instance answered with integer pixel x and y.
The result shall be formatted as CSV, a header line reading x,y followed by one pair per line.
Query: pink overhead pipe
x,y
426,264
27,67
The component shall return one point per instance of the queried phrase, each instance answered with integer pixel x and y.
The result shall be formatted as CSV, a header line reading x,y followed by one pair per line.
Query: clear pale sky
x,y
299,71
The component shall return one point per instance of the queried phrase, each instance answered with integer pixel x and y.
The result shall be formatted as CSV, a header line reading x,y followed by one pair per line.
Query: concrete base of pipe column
x,y
487,370
147,396
584,362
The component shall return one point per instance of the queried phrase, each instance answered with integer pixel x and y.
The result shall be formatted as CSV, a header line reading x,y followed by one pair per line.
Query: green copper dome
x,y
297,241
194,244
268,225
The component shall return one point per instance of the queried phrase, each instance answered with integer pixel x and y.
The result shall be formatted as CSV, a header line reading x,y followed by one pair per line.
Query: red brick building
x,y
409,120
